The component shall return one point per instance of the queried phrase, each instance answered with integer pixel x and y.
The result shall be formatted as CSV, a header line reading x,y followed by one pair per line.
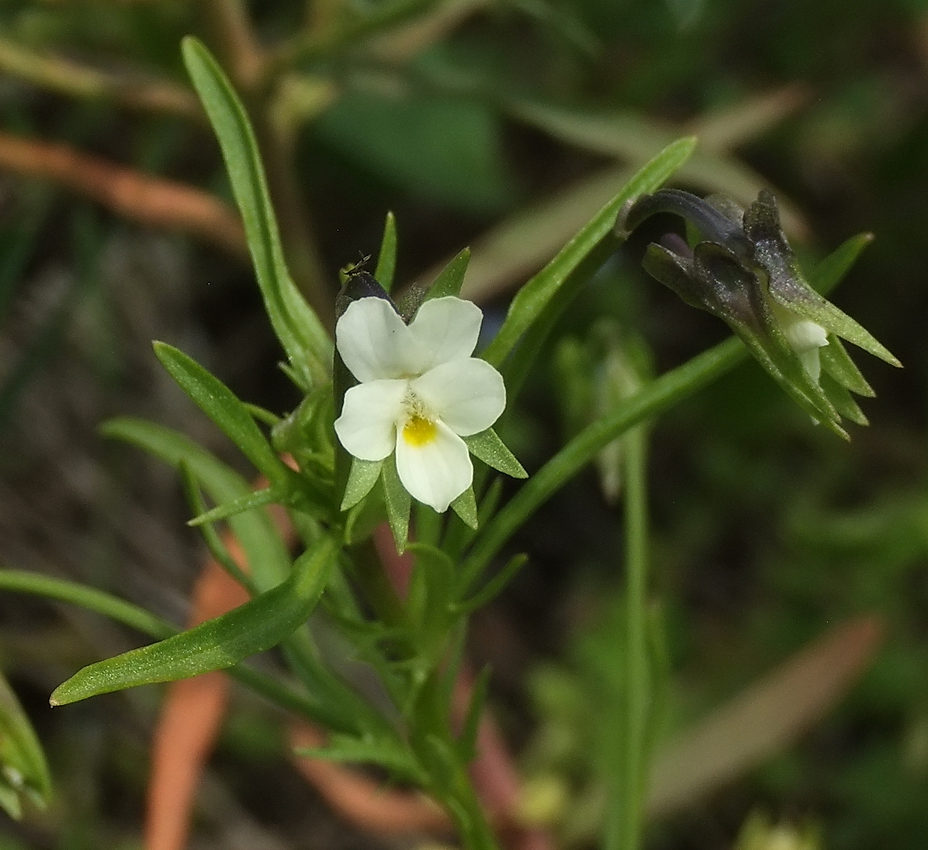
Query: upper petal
x,y
435,472
467,395
370,413
445,329
373,340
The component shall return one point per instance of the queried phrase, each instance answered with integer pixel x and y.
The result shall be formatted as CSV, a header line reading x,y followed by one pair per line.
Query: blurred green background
x,y
502,125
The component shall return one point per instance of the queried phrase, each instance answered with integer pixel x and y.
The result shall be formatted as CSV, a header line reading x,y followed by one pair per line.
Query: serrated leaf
x,y
302,335
362,477
218,402
451,278
386,258
258,625
488,447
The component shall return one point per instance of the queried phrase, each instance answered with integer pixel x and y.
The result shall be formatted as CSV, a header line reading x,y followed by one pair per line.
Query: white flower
x,y
420,391
804,336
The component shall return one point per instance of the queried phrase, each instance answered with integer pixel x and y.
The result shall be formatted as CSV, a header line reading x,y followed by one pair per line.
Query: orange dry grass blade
x,y
149,200
189,722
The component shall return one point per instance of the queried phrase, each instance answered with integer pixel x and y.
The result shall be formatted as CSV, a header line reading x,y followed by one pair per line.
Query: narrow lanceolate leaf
x,y
301,333
488,447
218,402
216,644
535,296
23,770
451,278
398,503
386,259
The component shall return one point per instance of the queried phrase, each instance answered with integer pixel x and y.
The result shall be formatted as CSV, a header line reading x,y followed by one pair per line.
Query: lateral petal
x,y
467,395
370,413
373,340
435,472
445,329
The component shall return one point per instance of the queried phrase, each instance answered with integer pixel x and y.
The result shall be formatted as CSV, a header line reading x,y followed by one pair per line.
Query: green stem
x,y
656,397
624,819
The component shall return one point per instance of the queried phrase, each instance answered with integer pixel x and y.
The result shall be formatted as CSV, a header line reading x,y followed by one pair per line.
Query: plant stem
x,y
656,397
624,817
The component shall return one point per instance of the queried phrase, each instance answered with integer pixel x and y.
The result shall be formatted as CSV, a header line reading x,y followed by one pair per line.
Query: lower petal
x,y
434,471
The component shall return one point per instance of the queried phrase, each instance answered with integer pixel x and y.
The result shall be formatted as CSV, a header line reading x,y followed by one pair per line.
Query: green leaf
x,y
218,402
488,447
258,625
302,335
534,298
264,550
494,586
398,502
361,480
386,259
451,277
257,499
23,770
467,742
465,506
385,752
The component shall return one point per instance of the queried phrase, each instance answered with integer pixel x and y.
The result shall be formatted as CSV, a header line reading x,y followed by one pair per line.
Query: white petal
x,y
467,395
435,472
367,426
445,329
373,340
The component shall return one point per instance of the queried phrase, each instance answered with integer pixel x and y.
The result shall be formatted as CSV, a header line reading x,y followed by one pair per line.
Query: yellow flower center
x,y
419,431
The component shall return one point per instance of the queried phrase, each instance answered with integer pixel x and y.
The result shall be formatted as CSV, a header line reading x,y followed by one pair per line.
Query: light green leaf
x,y
23,770
302,335
488,447
450,278
258,625
533,298
386,259
257,499
361,480
218,402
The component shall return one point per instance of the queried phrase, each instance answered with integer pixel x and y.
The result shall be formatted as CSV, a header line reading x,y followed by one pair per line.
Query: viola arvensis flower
x,y
743,270
420,392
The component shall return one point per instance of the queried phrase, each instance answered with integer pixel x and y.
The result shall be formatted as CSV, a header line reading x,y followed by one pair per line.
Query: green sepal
x,y
296,324
465,506
837,363
218,402
488,447
362,477
23,769
398,503
451,278
386,257
842,400
258,625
